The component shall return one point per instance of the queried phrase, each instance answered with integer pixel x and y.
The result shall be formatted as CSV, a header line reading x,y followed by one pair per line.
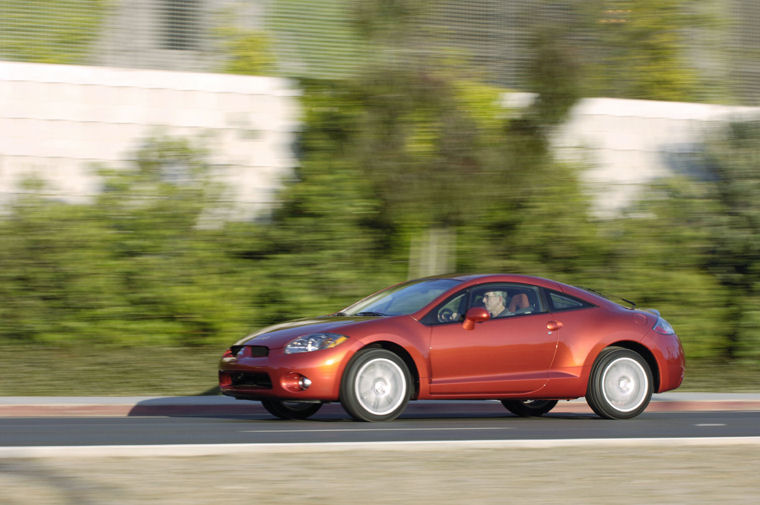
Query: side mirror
x,y
475,315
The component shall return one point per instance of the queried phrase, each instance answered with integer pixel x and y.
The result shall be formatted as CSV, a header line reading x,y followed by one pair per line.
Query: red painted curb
x,y
254,408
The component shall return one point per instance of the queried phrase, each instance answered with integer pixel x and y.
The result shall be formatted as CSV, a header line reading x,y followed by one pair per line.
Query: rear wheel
x,y
529,408
291,410
620,385
376,386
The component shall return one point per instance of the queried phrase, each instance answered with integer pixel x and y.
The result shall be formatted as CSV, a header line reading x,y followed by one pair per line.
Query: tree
x,y
49,31
328,236
734,255
693,249
656,257
135,266
640,48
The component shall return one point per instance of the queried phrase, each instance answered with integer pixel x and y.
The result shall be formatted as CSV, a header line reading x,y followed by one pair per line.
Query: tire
x,y
620,385
290,409
529,408
376,386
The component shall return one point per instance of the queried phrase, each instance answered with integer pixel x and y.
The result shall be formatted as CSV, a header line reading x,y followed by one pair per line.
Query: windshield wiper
x,y
369,313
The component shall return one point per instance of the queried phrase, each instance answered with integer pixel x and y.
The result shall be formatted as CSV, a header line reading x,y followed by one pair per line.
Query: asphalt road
x,y
684,451
332,425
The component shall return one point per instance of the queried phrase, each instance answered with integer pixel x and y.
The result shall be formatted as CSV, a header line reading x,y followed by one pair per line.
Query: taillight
x,y
663,327
227,354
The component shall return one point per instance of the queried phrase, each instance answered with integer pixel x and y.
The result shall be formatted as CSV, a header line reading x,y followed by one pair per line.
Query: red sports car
x,y
525,341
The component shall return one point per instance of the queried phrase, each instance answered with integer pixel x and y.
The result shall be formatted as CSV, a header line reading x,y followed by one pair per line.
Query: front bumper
x,y
304,376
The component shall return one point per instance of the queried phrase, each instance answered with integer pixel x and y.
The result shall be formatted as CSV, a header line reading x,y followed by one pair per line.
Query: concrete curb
x,y
193,450
215,406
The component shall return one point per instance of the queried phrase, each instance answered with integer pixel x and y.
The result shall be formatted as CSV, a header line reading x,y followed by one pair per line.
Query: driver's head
x,y
495,301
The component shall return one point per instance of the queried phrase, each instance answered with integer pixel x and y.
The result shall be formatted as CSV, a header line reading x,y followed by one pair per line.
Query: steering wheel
x,y
445,315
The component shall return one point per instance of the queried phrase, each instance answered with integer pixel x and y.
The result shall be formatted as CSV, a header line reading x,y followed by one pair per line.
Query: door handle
x,y
553,325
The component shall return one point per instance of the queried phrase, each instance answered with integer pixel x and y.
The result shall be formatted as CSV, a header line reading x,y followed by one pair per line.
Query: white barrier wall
x,y
57,120
625,145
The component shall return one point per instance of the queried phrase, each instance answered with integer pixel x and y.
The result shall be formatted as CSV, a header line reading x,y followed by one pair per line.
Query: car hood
x,y
280,334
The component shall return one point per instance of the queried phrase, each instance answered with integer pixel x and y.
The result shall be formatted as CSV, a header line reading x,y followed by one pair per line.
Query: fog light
x,y
295,382
304,382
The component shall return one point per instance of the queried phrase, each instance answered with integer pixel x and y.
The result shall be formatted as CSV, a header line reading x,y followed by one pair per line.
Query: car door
x,y
509,354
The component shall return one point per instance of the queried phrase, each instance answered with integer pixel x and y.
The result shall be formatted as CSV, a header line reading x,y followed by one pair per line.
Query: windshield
x,y
402,299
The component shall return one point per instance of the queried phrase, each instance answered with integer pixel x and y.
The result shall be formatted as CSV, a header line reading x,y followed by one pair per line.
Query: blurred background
x,y
176,173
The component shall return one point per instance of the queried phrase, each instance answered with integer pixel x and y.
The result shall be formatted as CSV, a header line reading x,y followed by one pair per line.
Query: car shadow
x,y
222,407
196,406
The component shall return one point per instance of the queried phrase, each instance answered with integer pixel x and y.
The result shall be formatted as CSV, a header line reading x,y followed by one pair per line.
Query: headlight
x,y
315,342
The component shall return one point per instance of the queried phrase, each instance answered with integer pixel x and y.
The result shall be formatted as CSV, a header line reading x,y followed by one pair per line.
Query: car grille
x,y
258,351
251,351
258,380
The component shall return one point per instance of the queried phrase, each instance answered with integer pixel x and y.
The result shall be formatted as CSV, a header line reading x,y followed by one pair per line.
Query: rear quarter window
x,y
562,301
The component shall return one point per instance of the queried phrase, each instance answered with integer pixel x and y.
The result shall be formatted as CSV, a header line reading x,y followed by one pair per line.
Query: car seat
x,y
519,303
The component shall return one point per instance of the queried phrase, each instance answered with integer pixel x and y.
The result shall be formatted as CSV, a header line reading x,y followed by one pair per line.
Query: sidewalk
x,y
113,406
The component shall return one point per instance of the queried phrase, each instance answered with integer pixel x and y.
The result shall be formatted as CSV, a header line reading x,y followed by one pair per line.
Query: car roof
x,y
473,279
504,277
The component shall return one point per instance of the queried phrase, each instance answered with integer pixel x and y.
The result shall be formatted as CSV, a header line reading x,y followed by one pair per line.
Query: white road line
x,y
352,430
176,450
705,425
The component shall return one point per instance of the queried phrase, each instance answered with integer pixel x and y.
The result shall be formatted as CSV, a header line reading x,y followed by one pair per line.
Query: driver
x,y
496,303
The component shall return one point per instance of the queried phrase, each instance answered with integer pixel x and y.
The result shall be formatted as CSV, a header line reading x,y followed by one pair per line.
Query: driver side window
x,y
500,299
507,299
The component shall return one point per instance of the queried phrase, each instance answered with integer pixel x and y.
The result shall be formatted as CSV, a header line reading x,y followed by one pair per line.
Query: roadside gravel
x,y
652,473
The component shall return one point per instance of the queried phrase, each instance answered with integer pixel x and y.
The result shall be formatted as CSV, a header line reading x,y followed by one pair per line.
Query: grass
x,y
179,371
721,377
108,371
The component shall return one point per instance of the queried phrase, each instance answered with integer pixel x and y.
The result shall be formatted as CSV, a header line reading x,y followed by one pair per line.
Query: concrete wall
x,y
626,144
57,120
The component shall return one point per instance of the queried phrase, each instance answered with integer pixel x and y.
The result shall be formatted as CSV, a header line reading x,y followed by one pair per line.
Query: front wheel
x,y
291,410
620,385
529,408
376,386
